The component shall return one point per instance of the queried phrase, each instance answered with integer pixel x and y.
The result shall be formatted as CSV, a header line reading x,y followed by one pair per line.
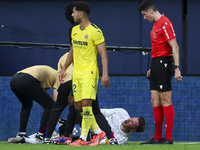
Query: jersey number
x,y
74,88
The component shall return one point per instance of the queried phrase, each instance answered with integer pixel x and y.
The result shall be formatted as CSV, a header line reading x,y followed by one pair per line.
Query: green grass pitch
x,y
4,145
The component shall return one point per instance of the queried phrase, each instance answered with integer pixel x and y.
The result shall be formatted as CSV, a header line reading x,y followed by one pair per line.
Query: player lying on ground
x,y
121,125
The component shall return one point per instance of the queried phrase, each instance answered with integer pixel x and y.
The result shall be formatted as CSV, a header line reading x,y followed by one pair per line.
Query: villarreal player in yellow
x,y
87,41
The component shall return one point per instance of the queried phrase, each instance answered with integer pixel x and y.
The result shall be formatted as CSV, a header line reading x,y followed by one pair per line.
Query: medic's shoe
x,y
62,140
20,138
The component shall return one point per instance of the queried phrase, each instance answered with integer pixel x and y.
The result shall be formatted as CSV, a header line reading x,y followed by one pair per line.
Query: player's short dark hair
x,y
68,12
142,125
82,6
146,5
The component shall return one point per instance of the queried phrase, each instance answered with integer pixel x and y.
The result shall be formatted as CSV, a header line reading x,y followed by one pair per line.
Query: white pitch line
x,y
186,143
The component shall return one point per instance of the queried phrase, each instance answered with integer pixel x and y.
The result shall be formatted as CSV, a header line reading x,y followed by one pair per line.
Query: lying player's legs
x,y
100,119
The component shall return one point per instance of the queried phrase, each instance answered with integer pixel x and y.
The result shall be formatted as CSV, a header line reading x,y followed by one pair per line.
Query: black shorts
x,y
161,74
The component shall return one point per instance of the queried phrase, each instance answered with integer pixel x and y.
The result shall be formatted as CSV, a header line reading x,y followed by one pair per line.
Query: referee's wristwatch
x,y
175,66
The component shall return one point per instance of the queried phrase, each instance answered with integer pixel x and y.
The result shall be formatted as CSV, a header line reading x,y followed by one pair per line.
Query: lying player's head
x,y
135,124
146,5
142,125
68,12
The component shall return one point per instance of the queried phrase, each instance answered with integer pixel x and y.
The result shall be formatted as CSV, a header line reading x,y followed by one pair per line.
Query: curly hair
x,y
82,6
68,12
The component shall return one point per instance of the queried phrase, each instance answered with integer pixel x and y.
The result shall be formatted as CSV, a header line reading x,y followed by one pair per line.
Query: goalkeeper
x,y
121,125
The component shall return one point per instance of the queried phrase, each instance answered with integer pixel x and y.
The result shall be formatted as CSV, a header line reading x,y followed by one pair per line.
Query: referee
x,y
163,40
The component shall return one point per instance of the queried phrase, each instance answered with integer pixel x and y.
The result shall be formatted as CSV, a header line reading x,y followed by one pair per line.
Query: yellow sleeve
x,y
98,37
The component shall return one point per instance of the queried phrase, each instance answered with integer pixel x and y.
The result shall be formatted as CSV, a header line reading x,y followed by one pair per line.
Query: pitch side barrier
x,y
30,45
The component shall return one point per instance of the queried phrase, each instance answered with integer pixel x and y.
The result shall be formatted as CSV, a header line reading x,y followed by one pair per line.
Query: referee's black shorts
x,y
161,74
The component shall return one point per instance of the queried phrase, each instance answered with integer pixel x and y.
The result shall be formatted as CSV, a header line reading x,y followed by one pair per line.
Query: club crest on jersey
x,y
154,35
86,36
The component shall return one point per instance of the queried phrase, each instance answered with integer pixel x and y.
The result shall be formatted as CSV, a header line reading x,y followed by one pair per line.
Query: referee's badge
x,y
86,36
161,86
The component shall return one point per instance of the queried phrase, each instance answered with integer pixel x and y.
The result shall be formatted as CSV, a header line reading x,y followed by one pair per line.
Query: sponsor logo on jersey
x,y
80,42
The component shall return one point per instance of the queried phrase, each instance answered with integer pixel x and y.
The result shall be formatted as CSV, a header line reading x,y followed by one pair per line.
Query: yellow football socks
x,y
87,120
94,126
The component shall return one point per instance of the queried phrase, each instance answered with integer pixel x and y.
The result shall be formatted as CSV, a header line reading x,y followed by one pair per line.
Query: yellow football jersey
x,y
85,51
45,74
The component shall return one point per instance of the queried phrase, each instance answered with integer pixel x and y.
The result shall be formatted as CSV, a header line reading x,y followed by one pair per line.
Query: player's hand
x,y
105,82
177,75
61,76
148,73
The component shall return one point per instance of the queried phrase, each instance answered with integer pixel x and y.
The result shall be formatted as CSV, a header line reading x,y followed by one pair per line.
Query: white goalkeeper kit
x,y
115,117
